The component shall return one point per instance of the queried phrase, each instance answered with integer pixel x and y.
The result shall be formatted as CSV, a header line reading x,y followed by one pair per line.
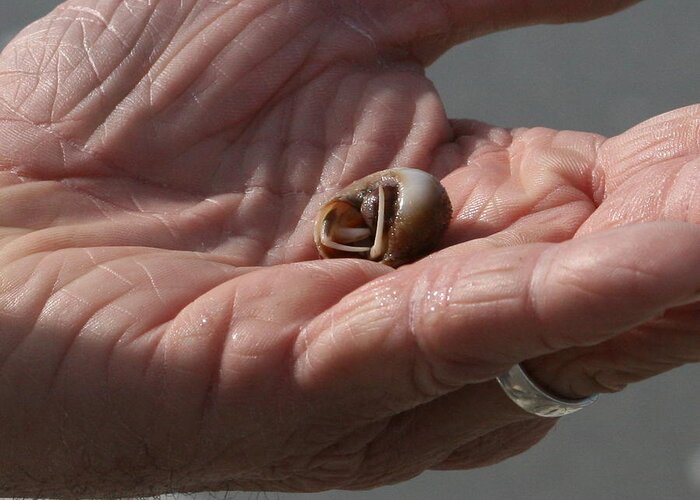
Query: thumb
x,y
430,28
430,328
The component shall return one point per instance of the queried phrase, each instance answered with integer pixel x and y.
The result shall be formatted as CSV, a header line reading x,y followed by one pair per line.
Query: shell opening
x,y
346,229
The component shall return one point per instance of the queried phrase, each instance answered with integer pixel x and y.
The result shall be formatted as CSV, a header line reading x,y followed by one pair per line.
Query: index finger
x,y
427,329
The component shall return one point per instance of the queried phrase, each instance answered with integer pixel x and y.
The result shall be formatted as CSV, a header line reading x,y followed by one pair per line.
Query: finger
x,y
463,429
430,328
649,172
428,28
521,186
498,445
664,139
649,350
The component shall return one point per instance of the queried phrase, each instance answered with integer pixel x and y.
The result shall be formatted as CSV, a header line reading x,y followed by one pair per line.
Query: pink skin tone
x,y
165,323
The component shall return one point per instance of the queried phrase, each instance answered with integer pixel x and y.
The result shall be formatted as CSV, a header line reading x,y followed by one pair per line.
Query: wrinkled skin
x,y
165,325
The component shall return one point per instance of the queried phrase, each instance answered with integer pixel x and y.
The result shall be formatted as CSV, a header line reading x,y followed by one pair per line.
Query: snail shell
x,y
394,216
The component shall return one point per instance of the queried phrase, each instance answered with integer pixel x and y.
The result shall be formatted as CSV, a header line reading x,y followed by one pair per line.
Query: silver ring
x,y
533,399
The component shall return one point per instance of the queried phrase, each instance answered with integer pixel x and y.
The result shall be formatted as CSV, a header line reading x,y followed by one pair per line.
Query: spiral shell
x,y
394,217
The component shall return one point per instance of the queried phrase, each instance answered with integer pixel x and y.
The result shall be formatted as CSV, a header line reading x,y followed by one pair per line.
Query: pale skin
x,y
165,322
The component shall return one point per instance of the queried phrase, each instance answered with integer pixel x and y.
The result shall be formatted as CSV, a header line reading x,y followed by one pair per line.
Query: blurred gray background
x,y
602,76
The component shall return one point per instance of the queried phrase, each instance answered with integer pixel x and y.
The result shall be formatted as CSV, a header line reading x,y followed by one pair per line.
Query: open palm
x,y
165,325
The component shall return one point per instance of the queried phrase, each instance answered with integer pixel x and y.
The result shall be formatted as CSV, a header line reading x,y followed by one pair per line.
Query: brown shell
x,y
418,211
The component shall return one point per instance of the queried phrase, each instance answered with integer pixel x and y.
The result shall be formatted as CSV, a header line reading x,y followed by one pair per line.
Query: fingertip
x,y
613,280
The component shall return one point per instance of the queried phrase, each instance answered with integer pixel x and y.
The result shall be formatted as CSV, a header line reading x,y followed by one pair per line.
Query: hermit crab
x,y
394,217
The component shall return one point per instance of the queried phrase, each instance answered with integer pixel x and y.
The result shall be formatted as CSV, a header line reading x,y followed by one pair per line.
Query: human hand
x,y
162,165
